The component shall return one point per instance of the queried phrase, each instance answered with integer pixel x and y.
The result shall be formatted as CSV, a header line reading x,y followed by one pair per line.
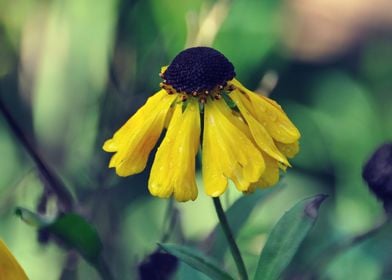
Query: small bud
x,y
377,172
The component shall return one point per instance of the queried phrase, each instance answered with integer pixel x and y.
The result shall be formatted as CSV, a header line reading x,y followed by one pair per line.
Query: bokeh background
x,y
71,72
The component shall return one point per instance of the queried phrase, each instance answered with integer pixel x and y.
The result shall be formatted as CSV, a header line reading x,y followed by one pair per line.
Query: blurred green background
x,y
71,72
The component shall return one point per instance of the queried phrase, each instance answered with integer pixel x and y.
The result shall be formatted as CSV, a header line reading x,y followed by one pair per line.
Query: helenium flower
x,y
246,137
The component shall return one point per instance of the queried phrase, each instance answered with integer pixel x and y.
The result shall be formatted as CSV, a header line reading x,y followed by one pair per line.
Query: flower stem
x,y
54,182
230,239
170,219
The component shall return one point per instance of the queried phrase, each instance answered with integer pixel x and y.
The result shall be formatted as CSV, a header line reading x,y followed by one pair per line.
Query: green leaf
x,y
32,218
196,260
286,237
187,272
71,229
76,233
237,215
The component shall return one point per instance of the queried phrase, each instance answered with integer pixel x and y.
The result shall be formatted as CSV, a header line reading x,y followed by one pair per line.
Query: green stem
x,y
170,219
230,239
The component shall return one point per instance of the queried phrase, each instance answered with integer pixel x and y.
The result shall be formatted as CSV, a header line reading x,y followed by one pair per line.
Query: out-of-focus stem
x,y
64,196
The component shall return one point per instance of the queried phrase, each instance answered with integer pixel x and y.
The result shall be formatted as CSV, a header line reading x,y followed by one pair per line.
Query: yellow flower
x,y
9,266
246,137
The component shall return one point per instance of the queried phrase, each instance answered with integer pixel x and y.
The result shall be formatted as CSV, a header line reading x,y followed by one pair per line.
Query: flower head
x,y
197,70
246,137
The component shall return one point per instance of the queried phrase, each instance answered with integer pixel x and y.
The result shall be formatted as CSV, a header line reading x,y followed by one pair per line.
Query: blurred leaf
x,y
71,229
237,215
78,234
174,30
345,131
249,34
196,260
286,237
32,218
340,124
312,141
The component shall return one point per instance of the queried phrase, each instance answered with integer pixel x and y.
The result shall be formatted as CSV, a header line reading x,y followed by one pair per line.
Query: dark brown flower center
x,y
198,71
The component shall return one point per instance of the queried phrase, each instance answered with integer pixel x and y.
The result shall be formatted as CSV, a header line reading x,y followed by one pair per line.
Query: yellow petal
x,y
270,176
289,150
134,141
215,182
227,152
261,136
163,69
9,266
173,170
168,117
269,114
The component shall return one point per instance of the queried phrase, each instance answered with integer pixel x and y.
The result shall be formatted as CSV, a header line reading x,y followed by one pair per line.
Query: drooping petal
x,y
227,152
270,175
134,141
173,170
269,114
9,266
261,136
289,150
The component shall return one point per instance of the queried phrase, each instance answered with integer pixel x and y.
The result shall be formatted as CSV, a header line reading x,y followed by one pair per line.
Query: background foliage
x,y
71,72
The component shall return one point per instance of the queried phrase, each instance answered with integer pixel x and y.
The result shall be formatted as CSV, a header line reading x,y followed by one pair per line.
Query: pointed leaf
x,y
286,237
189,273
196,260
